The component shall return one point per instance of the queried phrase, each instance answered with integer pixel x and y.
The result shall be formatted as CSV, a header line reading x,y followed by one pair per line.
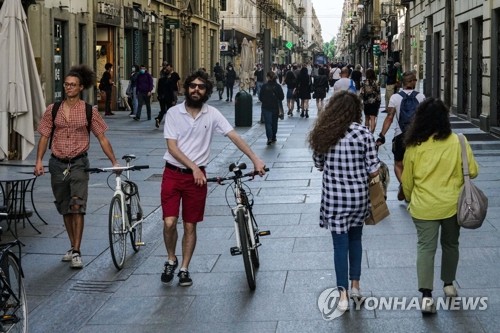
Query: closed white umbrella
x,y
245,65
21,96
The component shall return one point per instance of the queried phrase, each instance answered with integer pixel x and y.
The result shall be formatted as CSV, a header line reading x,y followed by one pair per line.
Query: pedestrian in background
x,y
393,80
230,79
132,91
345,152
167,91
106,84
188,130
304,91
357,76
432,180
68,161
320,87
271,95
144,87
393,111
370,94
291,84
259,79
219,79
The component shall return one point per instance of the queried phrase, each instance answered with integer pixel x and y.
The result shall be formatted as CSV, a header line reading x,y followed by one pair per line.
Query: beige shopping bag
x,y
378,207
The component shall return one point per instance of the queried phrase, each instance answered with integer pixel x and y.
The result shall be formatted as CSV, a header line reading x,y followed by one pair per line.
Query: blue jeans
x,y
271,123
347,253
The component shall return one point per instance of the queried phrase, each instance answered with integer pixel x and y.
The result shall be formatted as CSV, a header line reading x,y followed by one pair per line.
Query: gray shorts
x,y
72,189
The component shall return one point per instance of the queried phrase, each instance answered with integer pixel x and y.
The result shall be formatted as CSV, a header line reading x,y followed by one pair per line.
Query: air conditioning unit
x,y
224,46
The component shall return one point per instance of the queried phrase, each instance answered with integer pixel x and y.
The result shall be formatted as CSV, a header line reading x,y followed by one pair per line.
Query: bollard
x,y
243,109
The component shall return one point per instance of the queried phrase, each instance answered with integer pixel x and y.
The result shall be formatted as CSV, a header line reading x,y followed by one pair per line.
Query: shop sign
x,y
108,9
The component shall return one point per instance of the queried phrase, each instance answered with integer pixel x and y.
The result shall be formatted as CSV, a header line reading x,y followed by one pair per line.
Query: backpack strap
x,y
55,108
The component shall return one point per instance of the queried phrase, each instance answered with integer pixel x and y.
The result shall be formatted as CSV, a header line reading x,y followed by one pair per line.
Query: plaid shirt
x,y
71,137
346,169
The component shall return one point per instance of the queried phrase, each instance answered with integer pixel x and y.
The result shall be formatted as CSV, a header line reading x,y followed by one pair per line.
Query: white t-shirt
x,y
395,102
335,73
193,136
342,84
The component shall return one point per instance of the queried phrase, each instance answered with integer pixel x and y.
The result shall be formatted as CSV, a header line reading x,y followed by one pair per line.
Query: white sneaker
x,y
428,305
343,305
76,261
67,257
450,291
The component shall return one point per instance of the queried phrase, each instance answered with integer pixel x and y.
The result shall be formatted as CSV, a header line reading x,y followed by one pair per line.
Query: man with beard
x,y
188,130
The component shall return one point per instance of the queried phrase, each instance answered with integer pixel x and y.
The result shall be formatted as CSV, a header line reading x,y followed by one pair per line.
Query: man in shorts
x,y
69,159
393,110
188,130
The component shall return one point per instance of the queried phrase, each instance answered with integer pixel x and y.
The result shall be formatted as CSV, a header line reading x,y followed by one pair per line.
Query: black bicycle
x,y
246,228
13,305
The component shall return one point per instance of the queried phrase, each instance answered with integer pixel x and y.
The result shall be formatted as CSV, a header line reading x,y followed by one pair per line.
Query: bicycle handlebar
x,y
119,168
237,176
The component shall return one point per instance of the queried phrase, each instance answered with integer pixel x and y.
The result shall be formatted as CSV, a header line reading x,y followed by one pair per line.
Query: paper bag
x,y
378,207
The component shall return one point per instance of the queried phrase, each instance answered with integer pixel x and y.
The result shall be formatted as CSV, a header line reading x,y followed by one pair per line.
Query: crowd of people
x,y
427,159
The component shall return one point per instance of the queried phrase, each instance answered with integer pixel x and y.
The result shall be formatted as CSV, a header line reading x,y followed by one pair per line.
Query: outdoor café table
x,y
13,187
27,168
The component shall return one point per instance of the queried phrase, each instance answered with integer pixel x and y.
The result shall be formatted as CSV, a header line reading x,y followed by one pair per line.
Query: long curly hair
x,y
431,119
343,109
202,76
84,73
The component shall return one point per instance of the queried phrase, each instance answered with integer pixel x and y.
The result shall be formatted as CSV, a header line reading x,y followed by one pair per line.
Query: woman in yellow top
x,y
432,179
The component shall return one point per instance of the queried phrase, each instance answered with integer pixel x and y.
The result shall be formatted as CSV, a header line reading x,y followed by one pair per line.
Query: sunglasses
x,y
201,86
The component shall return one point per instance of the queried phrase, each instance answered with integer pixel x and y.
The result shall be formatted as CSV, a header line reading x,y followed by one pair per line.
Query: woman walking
x,y
304,89
345,151
320,87
230,79
291,84
370,94
271,95
432,179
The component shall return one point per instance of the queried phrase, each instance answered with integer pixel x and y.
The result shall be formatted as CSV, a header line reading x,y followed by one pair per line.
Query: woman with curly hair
x,y
345,151
432,179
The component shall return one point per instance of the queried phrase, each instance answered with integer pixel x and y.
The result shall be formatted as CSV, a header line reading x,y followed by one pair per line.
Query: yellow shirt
x,y
432,177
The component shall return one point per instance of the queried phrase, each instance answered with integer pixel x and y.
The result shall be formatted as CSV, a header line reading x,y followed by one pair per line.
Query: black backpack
x,y
55,108
407,109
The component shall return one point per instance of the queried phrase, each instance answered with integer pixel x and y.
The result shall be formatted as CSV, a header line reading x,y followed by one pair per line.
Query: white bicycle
x,y
125,211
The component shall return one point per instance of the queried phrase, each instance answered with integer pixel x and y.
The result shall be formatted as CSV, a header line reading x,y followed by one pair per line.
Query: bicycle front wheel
x,y
135,214
13,306
246,246
117,234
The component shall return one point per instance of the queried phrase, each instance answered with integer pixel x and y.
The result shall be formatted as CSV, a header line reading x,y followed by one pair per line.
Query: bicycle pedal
x,y
264,233
235,251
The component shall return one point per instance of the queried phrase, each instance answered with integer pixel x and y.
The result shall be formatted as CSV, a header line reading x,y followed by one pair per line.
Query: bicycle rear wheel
x,y
117,236
13,307
246,248
135,214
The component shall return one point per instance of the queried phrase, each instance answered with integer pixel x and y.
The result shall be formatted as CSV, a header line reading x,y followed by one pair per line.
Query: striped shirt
x,y
71,137
346,168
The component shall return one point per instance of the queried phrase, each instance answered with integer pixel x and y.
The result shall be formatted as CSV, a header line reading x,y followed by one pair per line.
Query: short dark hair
x,y
108,66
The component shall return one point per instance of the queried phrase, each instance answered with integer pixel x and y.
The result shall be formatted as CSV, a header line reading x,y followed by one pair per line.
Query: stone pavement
x,y
296,260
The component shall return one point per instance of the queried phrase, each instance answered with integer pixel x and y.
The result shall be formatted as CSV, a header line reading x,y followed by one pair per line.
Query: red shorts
x,y
177,187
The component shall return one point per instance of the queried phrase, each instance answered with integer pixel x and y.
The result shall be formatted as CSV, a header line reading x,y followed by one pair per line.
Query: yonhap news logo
x,y
328,303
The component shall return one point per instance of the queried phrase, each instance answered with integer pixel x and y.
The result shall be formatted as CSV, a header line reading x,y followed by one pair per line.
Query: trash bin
x,y
243,109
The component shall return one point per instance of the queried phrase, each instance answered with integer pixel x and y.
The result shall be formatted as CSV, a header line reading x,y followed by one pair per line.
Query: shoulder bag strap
x,y
465,162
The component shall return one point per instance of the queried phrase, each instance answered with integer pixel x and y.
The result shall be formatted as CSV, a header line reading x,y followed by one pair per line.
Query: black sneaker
x,y
157,122
168,272
184,279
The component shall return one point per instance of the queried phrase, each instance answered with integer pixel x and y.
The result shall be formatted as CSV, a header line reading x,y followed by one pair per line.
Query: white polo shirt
x,y
342,84
193,136
395,102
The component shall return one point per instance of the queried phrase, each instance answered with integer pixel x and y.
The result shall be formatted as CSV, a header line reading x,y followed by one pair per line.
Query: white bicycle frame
x,y
249,223
118,191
